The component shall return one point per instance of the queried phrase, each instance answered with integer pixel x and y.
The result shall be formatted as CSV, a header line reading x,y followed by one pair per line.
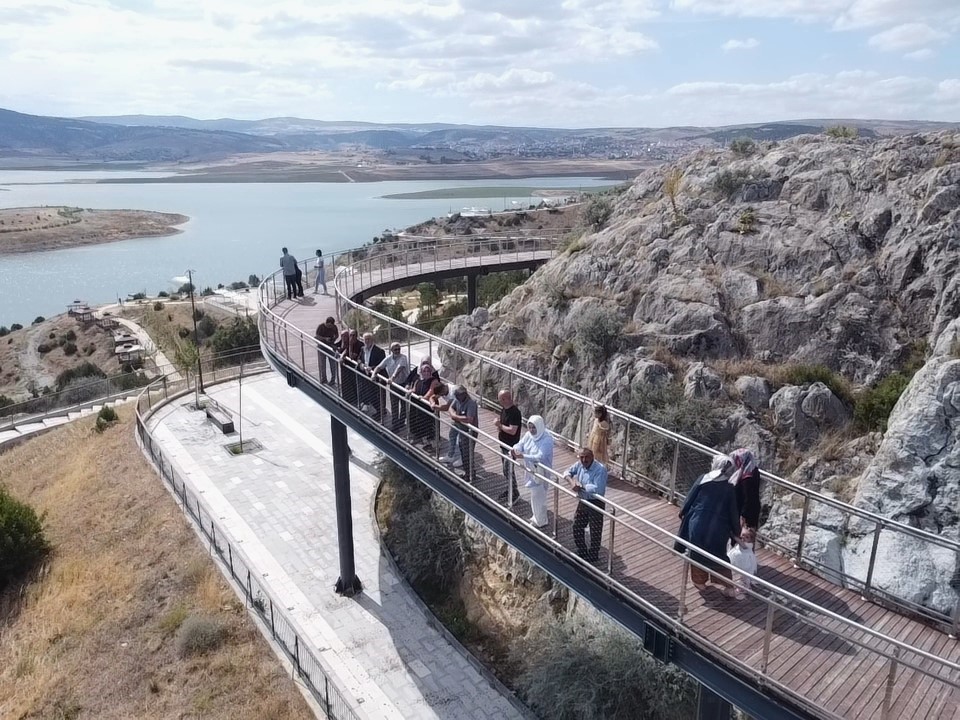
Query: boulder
x,y
702,382
806,412
754,392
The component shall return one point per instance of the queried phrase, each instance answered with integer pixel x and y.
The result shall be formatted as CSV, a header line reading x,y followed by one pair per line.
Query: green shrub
x,y
253,281
424,541
6,401
599,332
207,291
44,348
842,131
163,294
598,212
138,296
198,635
238,285
70,348
874,405
4,330
22,543
728,183
747,222
805,374
105,418
90,349
206,326
185,289
241,333
743,146
183,333
623,682
158,306
70,336
38,319
86,370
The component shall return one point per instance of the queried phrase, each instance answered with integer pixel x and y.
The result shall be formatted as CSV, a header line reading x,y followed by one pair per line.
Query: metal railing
x,y
308,668
642,453
785,614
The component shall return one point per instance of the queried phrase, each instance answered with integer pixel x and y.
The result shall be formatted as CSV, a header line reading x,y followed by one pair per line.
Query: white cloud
x,y
924,54
906,37
748,44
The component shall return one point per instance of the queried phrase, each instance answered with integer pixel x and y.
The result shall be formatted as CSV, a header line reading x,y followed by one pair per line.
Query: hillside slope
x,y
96,635
760,298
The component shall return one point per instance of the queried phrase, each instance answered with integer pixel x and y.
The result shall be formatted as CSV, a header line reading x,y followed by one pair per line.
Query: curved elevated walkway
x,y
797,646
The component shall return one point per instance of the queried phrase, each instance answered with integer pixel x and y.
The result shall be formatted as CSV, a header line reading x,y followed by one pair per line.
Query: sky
x,y
562,63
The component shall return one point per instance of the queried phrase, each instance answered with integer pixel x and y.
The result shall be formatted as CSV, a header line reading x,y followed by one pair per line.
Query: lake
x,y
235,229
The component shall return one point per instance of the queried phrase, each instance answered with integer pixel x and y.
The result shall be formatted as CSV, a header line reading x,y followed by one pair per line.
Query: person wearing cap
x,y
588,478
395,368
465,414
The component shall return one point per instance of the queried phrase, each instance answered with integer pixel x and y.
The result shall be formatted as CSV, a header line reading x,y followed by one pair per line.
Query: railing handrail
x,y
663,432
775,598
892,647
327,688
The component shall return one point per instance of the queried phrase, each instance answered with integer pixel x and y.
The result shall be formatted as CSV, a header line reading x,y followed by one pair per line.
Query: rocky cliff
x,y
775,286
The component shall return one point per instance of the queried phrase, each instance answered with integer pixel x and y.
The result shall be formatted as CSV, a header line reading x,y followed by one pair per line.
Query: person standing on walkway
x,y
465,414
350,348
290,269
321,276
508,426
588,478
746,480
600,435
327,333
371,355
395,368
536,449
710,521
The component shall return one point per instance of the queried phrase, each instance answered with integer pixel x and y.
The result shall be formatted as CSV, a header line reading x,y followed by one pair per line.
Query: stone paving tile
x,y
278,505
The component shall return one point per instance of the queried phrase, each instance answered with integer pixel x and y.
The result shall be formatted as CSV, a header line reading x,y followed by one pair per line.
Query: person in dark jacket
x,y
746,480
709,520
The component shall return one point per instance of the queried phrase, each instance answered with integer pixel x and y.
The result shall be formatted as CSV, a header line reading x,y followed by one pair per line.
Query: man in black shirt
x,y
508,433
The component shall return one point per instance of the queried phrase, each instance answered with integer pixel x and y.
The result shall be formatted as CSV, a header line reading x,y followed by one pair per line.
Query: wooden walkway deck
x,y
834,674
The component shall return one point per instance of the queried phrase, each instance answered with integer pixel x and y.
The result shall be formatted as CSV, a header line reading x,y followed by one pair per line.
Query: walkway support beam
x,y
472,292
711,706
348,583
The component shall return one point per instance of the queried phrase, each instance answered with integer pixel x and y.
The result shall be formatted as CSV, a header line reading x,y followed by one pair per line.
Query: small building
x,y
83,314
129,354
74,306
122,337
107,321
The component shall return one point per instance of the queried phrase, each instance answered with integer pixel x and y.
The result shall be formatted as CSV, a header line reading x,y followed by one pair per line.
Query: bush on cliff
x,y
22,543
623,681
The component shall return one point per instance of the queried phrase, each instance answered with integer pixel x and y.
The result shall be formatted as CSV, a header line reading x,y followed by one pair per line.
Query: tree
x,y
598,212
429,296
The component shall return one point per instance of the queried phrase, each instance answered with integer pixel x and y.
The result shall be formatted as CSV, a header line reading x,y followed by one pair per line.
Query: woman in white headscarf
x,y
535,449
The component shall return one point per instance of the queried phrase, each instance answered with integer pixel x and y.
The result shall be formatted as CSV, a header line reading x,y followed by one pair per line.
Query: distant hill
x,y
37,135
176,138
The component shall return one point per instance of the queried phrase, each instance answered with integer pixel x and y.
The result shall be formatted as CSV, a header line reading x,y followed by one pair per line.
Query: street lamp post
x,y
196,334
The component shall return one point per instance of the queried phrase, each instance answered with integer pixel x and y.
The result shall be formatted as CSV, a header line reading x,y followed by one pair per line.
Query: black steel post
x,y
196,334
711,706
471,292
347,584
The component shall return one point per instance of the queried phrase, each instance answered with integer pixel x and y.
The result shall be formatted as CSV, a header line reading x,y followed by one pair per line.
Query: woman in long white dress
x,y
536,449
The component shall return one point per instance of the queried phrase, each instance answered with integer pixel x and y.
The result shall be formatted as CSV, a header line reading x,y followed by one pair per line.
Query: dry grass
x,y
94,636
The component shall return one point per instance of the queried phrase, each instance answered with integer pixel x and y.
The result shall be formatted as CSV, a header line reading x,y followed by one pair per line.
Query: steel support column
x,y
471,292
347,584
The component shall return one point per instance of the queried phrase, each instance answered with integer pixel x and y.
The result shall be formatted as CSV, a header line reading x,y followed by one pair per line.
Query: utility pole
x,y
196,334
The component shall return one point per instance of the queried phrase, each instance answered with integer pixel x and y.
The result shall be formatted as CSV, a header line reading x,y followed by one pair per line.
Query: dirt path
x,y
30,363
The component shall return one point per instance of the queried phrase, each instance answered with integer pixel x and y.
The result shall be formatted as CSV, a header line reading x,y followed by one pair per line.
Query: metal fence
x,y
643,454
308,668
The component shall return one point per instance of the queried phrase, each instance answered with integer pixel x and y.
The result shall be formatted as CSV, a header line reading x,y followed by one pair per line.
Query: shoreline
x,y
39,229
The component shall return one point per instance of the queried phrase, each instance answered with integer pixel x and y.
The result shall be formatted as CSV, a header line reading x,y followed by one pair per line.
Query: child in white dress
x,y
743,558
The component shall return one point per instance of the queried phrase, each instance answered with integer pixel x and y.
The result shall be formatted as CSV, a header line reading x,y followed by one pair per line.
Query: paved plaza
x,y
278,505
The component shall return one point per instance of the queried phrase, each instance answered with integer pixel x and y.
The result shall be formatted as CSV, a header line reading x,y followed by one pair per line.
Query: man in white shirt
x,y
395,367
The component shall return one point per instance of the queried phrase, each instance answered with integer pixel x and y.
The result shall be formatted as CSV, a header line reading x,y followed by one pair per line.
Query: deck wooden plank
x,y
823,669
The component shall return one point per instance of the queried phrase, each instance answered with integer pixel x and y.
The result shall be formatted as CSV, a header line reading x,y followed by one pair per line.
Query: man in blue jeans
x,y
466,418
588,478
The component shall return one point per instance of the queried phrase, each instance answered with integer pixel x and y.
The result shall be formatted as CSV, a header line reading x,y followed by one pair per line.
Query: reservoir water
x,y
235,229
